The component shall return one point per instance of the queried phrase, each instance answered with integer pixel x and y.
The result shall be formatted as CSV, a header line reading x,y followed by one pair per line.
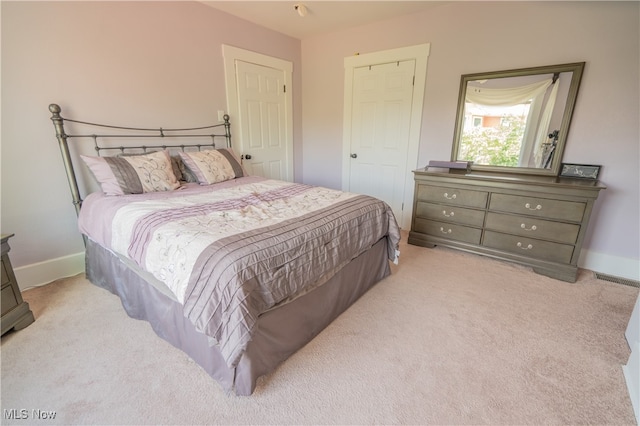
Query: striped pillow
x,y
133,175
213,165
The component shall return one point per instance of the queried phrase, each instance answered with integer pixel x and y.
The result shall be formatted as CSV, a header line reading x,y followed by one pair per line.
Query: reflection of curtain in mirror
x,y
505,96
511,96
528,145
543,129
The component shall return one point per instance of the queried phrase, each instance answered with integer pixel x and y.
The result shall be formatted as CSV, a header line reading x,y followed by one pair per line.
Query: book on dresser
x,y
538,221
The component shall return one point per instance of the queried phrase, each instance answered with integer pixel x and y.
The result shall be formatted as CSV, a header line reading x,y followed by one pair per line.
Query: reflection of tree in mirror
x,y
498,146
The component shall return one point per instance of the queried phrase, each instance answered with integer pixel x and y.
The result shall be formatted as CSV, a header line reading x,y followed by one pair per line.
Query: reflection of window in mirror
x,y
495,136
507,121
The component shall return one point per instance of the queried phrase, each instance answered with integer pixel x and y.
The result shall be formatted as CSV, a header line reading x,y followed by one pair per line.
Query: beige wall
x,y
468,37
128,63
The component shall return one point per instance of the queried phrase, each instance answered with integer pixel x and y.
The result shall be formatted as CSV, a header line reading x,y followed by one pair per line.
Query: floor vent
x,y
617,280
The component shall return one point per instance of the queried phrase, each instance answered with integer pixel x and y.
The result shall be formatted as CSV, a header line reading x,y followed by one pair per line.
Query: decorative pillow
x,y
176,163
176,166
133,174
213,165
183,173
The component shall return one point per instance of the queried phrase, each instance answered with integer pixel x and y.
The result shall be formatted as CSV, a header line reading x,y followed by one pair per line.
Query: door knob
x,y
354,155
245,157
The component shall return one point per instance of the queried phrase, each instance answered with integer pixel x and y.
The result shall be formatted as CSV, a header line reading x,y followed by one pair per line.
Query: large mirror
x,y
516,121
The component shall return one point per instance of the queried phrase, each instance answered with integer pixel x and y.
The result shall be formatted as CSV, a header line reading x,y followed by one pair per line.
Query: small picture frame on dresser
x,y
580,171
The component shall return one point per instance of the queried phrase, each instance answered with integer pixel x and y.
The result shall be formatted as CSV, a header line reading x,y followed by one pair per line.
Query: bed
x,y
237,271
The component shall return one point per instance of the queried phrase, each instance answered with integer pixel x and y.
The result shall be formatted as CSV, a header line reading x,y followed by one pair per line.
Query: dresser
x,y
537,221
15,311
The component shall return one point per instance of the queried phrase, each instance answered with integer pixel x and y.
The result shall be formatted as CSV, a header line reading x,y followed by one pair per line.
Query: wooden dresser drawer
x,y
452,196
5,275
448,230
450,214
533,227
540,207
529,247
16,314
9,300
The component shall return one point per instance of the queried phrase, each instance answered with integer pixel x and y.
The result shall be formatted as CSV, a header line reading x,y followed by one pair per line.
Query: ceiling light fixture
x,y
301,9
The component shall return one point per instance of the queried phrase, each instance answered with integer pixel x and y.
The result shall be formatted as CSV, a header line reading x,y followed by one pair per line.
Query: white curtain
x,y
543,127
506,96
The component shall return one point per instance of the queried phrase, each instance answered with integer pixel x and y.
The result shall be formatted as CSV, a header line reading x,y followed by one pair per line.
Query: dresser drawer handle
x,y
533,227
528,247
452,197
528,206
448,231
444,213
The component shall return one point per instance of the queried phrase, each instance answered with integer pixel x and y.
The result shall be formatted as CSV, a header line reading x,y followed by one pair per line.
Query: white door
x,y
259,103
381,118
262,105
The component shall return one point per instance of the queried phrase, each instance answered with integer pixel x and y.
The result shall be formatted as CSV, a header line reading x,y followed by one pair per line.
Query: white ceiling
x,y
322,16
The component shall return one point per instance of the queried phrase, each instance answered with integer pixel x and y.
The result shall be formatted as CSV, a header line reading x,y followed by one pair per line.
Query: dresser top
x,y
523,179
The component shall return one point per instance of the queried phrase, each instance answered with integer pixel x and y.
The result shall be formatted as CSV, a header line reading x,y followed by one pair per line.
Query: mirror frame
x,y
576,68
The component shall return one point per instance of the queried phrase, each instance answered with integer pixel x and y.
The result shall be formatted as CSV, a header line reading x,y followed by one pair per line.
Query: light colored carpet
x,y
449,338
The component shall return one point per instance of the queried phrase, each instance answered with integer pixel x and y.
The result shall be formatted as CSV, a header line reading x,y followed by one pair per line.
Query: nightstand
x,y
15,311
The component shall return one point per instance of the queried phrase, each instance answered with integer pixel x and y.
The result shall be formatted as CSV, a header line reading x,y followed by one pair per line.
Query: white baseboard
x,y
41,273
611,265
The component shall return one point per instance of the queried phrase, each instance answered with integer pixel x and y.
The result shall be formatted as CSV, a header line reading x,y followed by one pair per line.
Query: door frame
x,y
419,53
232,54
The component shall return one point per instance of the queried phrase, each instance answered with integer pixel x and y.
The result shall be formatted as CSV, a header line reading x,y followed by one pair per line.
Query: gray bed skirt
x,y
277,336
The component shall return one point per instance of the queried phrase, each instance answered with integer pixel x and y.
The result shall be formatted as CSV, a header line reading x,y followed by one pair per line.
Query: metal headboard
x,y
132,133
